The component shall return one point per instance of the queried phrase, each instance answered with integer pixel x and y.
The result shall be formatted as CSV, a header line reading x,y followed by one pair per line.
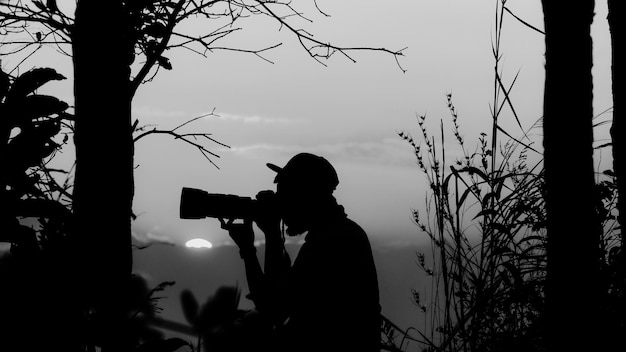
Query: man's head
x,y
303,186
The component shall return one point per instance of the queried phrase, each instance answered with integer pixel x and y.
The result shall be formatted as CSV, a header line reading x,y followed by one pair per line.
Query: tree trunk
x,y
574,231
617,12
103,187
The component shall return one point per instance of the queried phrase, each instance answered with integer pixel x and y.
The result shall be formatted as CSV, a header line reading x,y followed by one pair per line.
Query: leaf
x,y
35,106
487,197
485,212
32,145
221,307
190,307
162,286
446,181
540,239
524,22
164,62
29,81
474,170
468,189
464,195
507,98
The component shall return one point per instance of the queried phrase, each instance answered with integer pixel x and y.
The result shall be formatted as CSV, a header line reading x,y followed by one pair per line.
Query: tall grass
x,y
485,216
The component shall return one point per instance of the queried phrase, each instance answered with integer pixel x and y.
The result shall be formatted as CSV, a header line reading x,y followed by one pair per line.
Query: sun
x,y
198,243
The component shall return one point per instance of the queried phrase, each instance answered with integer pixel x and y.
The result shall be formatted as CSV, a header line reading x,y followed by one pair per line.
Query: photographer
x,y
328,299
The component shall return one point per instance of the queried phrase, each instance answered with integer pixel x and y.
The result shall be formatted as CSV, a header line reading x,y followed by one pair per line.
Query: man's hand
x,y
268,219
241,233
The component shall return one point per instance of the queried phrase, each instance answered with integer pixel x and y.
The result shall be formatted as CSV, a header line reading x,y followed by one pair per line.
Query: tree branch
x,y
189,138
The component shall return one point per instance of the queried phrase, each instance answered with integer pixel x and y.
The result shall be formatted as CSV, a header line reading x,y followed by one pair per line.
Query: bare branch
x,y
212,113
189,138
54,21
319,9
315,44
165,16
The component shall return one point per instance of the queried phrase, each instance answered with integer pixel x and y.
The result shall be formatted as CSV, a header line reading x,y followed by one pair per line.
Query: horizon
x,y
193,269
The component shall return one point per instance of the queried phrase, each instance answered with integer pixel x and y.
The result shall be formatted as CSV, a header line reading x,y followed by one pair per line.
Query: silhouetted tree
x,y
103,187
573,228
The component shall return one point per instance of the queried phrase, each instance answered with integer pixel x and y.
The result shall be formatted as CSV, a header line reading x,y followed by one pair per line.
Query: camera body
x,y
199,204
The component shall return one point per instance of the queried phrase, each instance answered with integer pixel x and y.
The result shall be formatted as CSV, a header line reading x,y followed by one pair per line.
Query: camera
x,y
199,204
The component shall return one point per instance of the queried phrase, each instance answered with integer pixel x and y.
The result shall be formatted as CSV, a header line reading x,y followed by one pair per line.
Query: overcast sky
x,y
349,113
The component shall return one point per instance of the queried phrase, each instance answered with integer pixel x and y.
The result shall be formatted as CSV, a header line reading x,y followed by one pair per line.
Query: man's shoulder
x,y
350,231
350,225
338,230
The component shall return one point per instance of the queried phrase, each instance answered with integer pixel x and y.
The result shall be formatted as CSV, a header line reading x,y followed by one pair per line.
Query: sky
x,y
350,113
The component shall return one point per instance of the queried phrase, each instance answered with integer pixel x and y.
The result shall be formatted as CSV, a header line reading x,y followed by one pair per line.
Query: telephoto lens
x,y
199,204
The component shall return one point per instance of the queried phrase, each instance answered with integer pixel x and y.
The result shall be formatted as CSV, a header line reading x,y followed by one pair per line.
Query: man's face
x,y
292,208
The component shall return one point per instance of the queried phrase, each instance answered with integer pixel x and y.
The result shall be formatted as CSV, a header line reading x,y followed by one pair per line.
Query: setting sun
x,y
198,243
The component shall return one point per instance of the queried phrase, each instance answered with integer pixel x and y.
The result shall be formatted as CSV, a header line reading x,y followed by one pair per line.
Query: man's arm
x,y
265,289
277,262
243,235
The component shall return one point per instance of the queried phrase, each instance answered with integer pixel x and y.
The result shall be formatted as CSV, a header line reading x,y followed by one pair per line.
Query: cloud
x,y
263,148
151,112
150,237
254,119
383,152
376,152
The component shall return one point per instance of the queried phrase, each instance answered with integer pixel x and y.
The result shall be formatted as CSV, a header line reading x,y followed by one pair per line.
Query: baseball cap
x,y
308,169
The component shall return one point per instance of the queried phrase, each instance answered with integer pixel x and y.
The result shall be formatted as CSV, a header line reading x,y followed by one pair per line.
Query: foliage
x,y
488,271
485,216
30,127
39,290
486,219
487,225
221,326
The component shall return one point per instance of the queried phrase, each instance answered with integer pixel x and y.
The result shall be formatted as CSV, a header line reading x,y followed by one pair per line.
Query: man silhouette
x,y
328,299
